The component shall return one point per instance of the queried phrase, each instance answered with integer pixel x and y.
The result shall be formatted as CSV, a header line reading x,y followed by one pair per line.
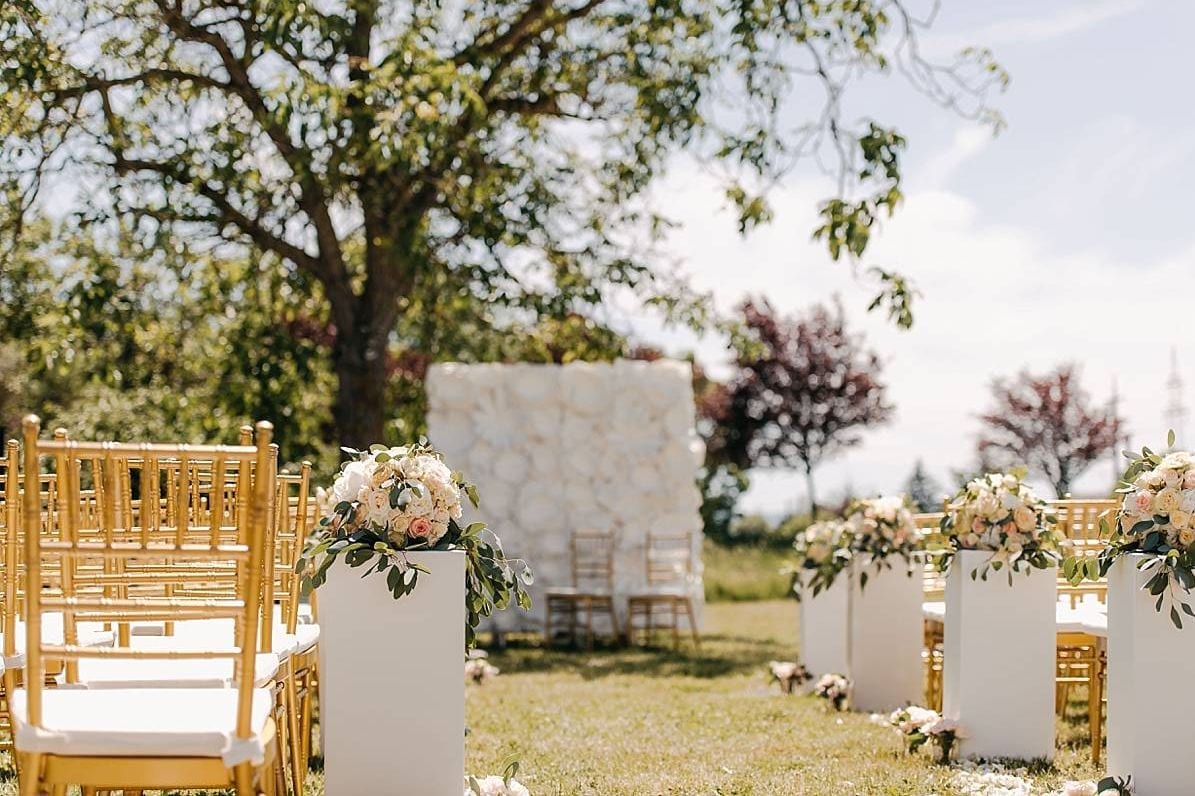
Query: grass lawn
x,y
651,721
737,574
657,722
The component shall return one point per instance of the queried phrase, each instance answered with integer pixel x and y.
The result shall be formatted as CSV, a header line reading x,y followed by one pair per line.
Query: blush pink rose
x,y
420,528
1144,502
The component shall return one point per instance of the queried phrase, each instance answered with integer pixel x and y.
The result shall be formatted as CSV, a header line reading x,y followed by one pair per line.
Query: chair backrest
x,y
669,559
73,569
592,555
293,520
1079,521
933,582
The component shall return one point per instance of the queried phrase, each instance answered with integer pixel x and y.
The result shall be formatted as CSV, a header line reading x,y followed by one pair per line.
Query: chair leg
x,y
295,744
675,626
1095,707
589,624
310,684
30,784
548,625
243,776
691,616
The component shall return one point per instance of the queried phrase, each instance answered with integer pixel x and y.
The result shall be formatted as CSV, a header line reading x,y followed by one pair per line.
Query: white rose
x,y
438,531
1172,478
1179,460
817,552
377,506
1166,501
420,503
354,476
1187,501
989,506
1025,518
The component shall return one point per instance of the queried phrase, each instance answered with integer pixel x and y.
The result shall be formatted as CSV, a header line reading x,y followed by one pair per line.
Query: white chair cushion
x,y
147,722
201,673
308,637
157,628
91,634
213,633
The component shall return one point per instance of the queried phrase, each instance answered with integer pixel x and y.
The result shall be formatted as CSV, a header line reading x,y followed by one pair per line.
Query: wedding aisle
x,y
658,722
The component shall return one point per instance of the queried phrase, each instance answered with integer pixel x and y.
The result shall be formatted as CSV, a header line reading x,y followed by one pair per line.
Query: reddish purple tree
x,y
804,394
1048,423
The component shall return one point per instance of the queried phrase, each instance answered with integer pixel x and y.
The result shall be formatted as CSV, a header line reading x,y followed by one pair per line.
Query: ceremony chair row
x,y
1081,617
152,633
662,604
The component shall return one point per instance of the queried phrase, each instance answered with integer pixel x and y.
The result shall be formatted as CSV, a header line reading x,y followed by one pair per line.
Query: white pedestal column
x,y
392,681
1151,732
824,626
1000,647
886,637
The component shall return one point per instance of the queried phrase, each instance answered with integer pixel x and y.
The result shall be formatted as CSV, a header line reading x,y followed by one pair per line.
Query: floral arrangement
x,y
944,734
1114,786
823,550
789,674
497,785
908,721
880,529
920,726
999,513
387,502
1156,518
874,531
478,669
835,689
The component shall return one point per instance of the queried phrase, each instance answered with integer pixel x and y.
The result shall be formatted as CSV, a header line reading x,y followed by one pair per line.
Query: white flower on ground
x,y
495,786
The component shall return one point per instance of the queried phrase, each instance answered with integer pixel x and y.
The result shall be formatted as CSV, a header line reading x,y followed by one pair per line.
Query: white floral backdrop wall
x,y
583,446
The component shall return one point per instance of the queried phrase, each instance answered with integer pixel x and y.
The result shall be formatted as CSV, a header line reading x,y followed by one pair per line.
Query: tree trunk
x,y
812,494
359,410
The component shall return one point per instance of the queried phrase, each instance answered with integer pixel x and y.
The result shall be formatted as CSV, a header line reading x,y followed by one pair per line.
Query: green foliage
x,y
414,162
115,341
743,574
925,493
721,488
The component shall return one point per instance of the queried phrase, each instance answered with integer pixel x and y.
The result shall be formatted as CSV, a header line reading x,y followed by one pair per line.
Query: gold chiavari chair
x,y
126,738
669,595
1082,657
933,596
213,496
182,501
592,592
52,623
294,518
200,497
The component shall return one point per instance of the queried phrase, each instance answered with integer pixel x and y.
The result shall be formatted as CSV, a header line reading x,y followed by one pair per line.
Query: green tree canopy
x,y
384,156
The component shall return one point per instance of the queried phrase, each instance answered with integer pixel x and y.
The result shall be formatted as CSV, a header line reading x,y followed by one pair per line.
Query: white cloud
x,y
1054,24
997,299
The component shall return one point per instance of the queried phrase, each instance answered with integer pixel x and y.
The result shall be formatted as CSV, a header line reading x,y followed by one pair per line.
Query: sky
x,y
1065,238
